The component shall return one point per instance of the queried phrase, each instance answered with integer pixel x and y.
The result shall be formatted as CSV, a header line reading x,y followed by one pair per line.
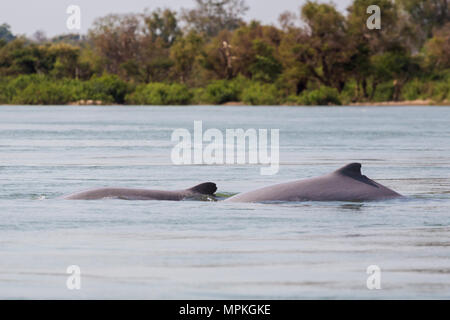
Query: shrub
x,y
4,99
107,88
36,89
441,90
412,90
349,93
222,91
199,96
384,92
261,94
13,87
44,93
160,94
319,97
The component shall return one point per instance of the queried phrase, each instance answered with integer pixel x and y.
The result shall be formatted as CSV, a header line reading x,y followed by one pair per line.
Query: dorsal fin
x,y
351,170
207,188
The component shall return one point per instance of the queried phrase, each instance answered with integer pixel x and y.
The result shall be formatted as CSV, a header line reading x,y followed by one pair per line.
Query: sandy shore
x,y
86,103
419,102
427,102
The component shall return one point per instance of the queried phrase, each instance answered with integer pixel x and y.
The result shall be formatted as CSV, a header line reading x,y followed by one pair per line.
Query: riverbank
x,y
406,103
419,102
112,90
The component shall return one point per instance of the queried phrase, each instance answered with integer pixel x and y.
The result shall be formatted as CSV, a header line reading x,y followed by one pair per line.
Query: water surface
x,y
214,250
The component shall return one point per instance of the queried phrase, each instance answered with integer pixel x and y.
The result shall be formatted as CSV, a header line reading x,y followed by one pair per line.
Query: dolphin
x,y
203,189
344,184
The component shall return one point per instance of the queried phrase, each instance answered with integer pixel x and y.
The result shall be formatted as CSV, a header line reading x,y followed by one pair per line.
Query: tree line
x,y
210,55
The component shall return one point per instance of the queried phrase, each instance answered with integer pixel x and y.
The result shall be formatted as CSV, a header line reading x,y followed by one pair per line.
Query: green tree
x,y
65,60
5,33
365,43
163,24
116,39
21,57
254,51
395,66
265,66
296,75
218,56
71,38
437,49
136,47
427,14
325,51
184,53
210,17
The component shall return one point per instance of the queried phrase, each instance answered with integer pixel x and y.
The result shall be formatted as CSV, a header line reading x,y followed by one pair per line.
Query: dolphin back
x,y
344,184
208,188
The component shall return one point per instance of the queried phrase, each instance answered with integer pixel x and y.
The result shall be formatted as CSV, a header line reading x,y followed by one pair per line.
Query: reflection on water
x,y
211,249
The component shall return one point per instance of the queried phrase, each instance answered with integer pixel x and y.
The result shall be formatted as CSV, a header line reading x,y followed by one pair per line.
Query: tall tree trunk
x,y
374,88
364,88
357,90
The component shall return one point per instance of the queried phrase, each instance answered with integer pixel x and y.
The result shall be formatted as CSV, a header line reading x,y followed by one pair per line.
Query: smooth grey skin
x,y
345,184
208,188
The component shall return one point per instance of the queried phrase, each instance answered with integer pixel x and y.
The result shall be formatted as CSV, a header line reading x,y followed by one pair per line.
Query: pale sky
x,y
28,16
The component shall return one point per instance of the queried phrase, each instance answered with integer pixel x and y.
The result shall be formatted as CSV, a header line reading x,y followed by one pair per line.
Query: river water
x,y
217,250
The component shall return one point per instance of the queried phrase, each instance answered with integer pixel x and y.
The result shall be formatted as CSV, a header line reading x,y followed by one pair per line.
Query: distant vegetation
x,y
316,57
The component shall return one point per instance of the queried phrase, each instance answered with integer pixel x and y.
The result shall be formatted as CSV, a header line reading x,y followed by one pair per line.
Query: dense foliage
x,y
318,57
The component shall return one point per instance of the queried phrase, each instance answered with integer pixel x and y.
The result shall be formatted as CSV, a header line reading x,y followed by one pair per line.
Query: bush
x,y
261,94
199,96
40,89
222,91
436,87
441,91
107,88
44,93
349,93
13,87
3,94
384,92
319,97
160,94
37,90
413,90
